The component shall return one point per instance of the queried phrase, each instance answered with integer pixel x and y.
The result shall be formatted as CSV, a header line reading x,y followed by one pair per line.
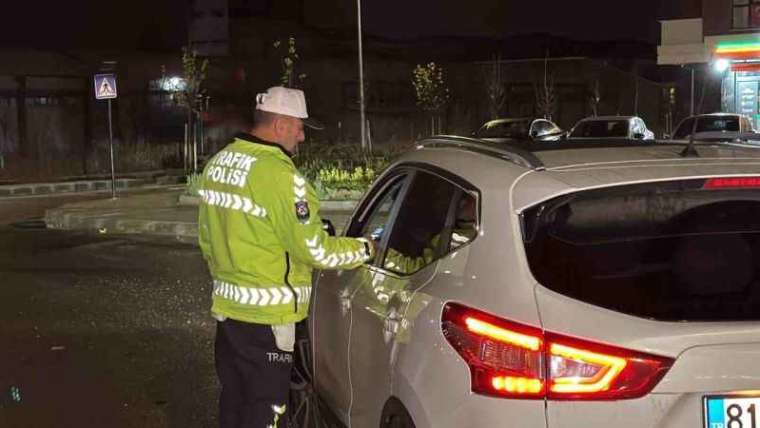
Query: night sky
x,y
578,19
119,24
159,24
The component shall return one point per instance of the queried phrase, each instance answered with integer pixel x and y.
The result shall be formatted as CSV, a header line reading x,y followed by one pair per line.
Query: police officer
x,y
261,235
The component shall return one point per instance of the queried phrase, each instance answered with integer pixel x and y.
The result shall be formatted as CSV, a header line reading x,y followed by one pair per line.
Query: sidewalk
x,y
90,184
162,213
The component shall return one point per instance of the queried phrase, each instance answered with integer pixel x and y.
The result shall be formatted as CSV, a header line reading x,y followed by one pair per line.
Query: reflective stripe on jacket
x,y
261,235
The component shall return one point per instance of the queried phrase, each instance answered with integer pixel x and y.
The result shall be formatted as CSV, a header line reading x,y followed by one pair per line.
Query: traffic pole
x,y
110,142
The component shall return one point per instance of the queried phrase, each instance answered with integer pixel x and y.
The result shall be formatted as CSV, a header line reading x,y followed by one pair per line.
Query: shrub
x,y
193,184
341,171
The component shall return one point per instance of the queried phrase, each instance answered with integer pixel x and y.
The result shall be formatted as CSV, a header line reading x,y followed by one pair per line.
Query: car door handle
x,y
391,326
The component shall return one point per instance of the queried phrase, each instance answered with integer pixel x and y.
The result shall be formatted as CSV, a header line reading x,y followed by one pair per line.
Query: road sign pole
x,y
105,89
110,142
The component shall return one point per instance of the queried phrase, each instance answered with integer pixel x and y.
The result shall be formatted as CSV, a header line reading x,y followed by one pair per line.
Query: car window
x,y
684,129
435,217
506,129
718,124
375,220
541,127
674,251
465,223
601,129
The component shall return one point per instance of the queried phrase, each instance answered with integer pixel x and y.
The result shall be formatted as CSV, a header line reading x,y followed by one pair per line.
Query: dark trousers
x,y
254,373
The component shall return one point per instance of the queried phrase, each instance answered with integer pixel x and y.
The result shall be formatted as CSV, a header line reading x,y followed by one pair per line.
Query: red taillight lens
x,y
732,183
579,369
505,359
514,360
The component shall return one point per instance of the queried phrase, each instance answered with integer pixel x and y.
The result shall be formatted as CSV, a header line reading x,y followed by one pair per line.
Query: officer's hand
x,y
374,245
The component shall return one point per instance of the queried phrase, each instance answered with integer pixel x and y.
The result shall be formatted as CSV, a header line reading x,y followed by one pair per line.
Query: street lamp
x,y
361,74
721,65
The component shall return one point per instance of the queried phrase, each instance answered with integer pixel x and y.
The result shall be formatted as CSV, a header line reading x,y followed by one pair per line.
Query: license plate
x,y
732,412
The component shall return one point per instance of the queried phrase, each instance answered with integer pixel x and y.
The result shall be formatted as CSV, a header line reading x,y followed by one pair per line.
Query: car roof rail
x,y
503,151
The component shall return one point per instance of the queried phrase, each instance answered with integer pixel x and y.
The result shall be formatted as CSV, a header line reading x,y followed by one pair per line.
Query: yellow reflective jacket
x,y
261,235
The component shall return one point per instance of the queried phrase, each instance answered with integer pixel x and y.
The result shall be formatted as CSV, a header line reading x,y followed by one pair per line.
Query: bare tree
x,y
546,93
495,88
635,75
595,97
188,93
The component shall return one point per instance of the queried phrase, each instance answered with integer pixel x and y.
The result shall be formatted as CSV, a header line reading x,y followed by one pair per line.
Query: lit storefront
x,y
739,61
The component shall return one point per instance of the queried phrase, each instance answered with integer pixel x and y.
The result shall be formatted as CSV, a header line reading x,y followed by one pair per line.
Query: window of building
x,y
746,13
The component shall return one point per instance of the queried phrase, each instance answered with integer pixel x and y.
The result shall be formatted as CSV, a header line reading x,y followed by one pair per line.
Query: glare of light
x,y
173,84
503,335
721,65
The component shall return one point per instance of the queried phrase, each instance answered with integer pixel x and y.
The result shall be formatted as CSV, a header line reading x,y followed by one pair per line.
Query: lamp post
x,y
691,107
361,75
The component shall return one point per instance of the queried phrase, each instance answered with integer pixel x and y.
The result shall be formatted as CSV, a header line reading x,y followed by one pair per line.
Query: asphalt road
x,y
103,331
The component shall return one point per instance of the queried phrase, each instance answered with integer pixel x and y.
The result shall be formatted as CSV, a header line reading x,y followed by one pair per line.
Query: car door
x,y
420,234
330,312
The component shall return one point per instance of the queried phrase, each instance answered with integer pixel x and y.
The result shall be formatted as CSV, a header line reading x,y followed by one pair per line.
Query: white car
x,y
611,127
560,288
716,127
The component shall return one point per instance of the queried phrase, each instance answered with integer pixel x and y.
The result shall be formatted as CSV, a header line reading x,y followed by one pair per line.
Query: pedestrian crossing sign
x,y
105,86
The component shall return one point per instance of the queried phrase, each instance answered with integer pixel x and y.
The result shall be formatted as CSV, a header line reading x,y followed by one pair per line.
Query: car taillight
x,y
732,183
584,370
509,359
505,359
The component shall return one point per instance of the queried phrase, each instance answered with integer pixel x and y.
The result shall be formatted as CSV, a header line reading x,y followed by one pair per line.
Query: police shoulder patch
x,y
302,211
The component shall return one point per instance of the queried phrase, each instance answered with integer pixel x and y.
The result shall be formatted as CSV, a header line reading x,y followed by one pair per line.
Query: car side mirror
x,y
328,227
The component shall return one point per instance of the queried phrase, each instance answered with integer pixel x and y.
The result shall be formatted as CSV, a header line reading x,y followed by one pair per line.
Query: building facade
x,y
719,38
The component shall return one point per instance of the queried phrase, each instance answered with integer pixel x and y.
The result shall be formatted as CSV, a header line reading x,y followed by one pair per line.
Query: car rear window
x,y
601,128
680,250
717,124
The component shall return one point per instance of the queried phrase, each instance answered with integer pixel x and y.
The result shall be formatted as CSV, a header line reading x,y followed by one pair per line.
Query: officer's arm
x,y
293,210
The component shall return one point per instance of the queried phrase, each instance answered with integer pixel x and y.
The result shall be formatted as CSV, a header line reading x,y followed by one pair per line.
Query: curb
x,y
77,186
113,223
170,216
347,205
69,187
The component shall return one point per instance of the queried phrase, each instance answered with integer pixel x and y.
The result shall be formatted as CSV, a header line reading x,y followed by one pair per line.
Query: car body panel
x,y
330,301
379,306
699,370
431,377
